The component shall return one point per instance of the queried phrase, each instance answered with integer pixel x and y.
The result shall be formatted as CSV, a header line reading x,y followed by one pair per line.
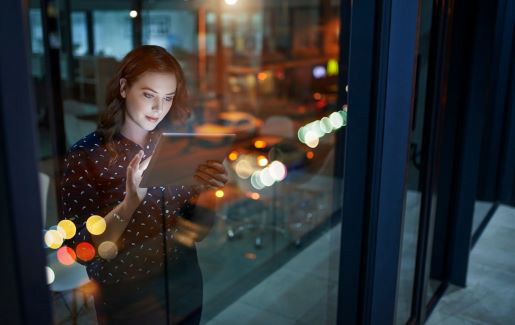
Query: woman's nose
x,y
158,105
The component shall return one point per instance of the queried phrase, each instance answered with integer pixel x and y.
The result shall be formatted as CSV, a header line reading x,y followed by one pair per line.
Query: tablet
x,y
177,156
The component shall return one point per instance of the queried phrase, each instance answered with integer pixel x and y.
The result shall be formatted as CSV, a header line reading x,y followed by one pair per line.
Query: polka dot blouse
x,y
90,186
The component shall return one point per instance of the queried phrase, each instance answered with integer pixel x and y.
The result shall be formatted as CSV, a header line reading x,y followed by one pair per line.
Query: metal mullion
x,y
20,191
432,124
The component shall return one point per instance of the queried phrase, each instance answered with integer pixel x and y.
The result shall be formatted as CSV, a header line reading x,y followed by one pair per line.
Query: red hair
x,y
146,58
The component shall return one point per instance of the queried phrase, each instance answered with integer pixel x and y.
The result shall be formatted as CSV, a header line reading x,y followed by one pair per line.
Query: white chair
x,y
68,279
44,182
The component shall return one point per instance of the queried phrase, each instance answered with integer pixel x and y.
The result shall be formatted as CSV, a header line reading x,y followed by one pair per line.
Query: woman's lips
x,y
152,119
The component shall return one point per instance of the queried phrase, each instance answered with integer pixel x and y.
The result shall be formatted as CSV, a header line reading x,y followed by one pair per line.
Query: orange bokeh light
x,y
310,154
262,76
260,144
233,155
85,251
66,255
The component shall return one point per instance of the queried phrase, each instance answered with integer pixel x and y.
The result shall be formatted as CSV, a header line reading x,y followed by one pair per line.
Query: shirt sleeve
x,y
79,197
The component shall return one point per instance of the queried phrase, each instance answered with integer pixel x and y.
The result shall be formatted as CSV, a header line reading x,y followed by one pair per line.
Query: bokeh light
x,y
68,227
325,125
133,13
262,161
66,255
319,72
60,230
233,155
266,178
332,67
219,193
260,144
255,180
53,239
336,120
311,139
107,250
96,225
50,275
231,2
85,251
262,76
244,168
301,134
277,170
255,196
310,154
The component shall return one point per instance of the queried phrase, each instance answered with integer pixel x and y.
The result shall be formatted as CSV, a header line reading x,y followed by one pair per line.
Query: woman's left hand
x,y
212,175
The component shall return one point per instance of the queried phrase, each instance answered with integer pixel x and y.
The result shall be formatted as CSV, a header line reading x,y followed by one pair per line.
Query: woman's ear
x,y
123,87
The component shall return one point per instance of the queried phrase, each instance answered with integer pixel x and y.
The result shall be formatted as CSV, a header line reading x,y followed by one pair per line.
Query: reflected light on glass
x,y
59,230
107,250
244,168
332,67
233,155
277,170
96,225
68,227
219,193
336,120
311,139
255,181
85,251
301,134
316,126
262,161
50,275
262,76
53,239
66,255
260,144
133,13
325,125
266,178
319,72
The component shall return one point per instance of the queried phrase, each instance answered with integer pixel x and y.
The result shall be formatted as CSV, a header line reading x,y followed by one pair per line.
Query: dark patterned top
x,y
90,187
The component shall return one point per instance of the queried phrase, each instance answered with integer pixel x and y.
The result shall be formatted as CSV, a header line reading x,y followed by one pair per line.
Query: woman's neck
x,y
134,132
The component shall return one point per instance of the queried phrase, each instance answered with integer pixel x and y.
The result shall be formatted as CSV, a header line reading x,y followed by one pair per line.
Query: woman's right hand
x,y
135,170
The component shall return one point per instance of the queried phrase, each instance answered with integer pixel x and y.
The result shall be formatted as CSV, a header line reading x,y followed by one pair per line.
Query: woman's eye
x,y
169,99
147,95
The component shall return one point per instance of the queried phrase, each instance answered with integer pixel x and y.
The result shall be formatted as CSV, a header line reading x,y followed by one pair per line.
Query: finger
x,y
130,176
203,184
144,164
217,165
214,173
209,180
136,160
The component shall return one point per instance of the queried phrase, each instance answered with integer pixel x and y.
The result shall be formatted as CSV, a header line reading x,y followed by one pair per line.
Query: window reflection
x,y
264,71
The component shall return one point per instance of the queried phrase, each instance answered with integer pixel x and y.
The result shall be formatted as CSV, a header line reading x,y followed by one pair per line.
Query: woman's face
x,y
149,99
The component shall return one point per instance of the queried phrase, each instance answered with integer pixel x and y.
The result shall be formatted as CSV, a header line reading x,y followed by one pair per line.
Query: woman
x,y
144,264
